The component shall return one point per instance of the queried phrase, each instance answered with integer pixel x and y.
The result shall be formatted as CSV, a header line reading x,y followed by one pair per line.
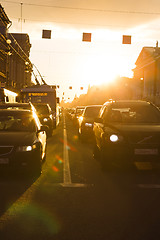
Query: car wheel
x,y
36,168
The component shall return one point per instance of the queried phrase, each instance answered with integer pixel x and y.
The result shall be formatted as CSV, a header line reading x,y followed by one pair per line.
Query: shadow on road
x,y
12,187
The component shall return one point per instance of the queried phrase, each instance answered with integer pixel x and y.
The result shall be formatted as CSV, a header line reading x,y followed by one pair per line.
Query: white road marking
x,y
66,167
67,182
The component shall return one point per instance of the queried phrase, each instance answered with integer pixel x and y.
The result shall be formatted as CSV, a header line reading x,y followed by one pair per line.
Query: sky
x,y
66,60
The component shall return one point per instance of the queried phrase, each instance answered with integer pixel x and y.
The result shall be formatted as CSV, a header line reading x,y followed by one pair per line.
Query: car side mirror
x,y
43,128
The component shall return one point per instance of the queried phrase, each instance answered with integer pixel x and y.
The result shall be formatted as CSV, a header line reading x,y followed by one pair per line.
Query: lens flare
x,y
55,169
68,146
75,137
60,160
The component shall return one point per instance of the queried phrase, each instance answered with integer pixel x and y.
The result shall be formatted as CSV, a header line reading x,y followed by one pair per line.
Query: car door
x,y
98,127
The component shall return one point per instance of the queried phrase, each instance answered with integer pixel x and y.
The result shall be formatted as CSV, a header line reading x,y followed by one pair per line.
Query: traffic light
x,y
126,39
81,88
87,37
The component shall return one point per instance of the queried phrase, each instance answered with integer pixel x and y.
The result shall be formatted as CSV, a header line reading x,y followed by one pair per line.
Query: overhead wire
x,y
86,9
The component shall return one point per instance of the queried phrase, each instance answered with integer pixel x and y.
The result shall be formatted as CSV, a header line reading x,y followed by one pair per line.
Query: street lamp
x,y
8,41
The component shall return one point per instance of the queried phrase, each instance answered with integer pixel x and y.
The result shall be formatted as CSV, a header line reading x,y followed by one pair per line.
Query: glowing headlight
x,y
88,124
26,148
80,118
45,119
114,138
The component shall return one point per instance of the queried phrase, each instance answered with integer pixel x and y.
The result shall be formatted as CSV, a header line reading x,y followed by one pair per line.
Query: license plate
x,y
4,161
146,151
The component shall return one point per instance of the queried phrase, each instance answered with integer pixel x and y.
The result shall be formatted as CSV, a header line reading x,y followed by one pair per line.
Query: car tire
x,y
36,168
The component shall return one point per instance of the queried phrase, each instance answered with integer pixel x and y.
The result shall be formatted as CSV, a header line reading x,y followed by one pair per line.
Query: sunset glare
x,y
66,60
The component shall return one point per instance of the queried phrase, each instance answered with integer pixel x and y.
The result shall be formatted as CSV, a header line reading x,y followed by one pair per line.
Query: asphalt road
x,y
74,200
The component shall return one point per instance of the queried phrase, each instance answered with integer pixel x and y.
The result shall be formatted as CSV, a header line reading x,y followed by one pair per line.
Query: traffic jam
x,y
124,134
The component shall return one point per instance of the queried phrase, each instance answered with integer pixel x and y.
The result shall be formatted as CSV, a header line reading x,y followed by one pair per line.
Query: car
x,y
46,116
127,134
86,121
23,141
71,112
78,113
17,105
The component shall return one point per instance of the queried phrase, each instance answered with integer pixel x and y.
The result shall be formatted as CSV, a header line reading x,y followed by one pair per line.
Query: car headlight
x,y
45,119
88,124
114,138
80,118
26,148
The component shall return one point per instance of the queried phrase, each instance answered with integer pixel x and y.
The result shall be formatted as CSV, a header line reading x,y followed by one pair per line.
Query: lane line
x,y
66,167
67,182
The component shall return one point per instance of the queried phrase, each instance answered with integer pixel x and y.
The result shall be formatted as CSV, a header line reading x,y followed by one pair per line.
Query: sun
x,y
104,69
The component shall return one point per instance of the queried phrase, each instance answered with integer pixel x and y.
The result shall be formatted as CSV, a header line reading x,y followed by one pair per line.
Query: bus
x,y
42,94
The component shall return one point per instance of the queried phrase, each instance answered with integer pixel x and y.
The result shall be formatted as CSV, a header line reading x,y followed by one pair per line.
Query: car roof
x,y
92,106
81,107
15,110
132,102
15,103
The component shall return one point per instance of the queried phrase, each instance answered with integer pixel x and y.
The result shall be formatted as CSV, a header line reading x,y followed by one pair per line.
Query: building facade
x,y
4,23
15,66
147,73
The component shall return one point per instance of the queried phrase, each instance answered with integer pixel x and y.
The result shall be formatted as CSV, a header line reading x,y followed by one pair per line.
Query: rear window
x,y
42,109
135,114
92,111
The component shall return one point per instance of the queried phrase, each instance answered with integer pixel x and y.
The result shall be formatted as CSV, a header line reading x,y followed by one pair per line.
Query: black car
x,y
46,116
22,141
85,130
78,113
127,133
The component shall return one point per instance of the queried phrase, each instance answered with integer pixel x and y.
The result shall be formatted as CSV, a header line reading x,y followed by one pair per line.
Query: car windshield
x,y
42,109
79,111
143,114
92,112
16,121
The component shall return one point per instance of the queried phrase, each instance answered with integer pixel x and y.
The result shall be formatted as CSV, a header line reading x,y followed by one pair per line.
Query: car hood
x,y
17,138
141,134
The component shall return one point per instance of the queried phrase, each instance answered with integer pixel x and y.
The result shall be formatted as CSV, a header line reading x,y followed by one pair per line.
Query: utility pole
x,y
156,73
21,16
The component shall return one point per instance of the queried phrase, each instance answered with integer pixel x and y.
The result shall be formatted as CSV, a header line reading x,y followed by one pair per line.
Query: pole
x,y
21,16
